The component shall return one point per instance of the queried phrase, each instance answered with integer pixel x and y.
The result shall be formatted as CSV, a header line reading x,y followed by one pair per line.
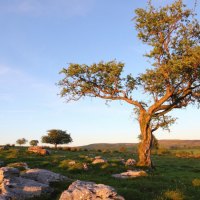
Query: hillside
x,y
169,144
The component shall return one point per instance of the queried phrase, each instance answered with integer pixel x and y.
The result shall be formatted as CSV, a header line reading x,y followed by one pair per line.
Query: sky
x,y
40,37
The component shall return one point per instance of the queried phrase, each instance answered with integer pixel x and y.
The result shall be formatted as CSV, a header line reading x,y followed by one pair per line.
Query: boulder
x,y
8,172
13,187
130,174
44,176
130,162
82,190
38,150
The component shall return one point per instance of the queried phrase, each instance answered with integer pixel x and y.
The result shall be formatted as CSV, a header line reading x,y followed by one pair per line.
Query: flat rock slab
x,y
130,174
44,176
82,190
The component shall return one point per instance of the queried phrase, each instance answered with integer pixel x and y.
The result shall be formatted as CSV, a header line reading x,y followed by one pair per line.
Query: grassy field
x,y
174,178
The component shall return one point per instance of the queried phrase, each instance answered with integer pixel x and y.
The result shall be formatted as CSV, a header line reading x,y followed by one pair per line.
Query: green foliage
x,y
34,142
97,80
56,136
21,141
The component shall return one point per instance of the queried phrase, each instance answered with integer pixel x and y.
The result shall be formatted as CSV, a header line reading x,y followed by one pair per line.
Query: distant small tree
x,y
21,141
56,136
34,142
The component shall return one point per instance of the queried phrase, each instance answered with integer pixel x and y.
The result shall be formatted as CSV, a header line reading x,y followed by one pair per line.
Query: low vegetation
x,y
174,177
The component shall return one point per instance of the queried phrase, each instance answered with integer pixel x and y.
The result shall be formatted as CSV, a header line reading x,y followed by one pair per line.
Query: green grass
x,y
174,178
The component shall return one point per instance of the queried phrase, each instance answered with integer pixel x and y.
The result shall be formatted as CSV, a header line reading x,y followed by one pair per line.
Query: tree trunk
x,y
144,148
55,146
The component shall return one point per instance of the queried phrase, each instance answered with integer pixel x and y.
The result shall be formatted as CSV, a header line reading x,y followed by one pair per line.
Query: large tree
x,y
173,81
56,136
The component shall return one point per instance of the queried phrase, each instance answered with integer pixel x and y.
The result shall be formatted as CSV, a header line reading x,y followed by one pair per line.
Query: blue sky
x,y
39,37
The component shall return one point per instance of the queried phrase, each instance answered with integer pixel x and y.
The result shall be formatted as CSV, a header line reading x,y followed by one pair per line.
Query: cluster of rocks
x,y
38,150
32,183
82,190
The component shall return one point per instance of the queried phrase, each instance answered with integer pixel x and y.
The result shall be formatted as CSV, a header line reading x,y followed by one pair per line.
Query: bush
x,y
66,148
174,195
161,151
196,182
71,165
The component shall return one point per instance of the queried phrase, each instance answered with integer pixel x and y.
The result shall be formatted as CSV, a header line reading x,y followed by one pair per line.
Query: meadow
x,y
174,178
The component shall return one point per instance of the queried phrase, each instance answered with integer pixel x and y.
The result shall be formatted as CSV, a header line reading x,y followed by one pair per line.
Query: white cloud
x,y
64,8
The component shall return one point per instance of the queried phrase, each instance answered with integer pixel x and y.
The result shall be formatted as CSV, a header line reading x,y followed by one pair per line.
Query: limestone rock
x,y
44,176
98,159
8,172
130,174
39,150
82,190
130,162
13,187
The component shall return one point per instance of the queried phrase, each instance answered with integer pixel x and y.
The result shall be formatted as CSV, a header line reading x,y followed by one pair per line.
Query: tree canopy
x,y
173,81
21,141
56,136
34,142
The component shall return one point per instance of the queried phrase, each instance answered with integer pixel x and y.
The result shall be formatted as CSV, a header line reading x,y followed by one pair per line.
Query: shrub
x,y
196,182
67,148
13,153
174,195
71,165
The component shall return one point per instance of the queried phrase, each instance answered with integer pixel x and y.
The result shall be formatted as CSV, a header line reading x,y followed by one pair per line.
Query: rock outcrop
x,y
14,186
38,150
82,190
